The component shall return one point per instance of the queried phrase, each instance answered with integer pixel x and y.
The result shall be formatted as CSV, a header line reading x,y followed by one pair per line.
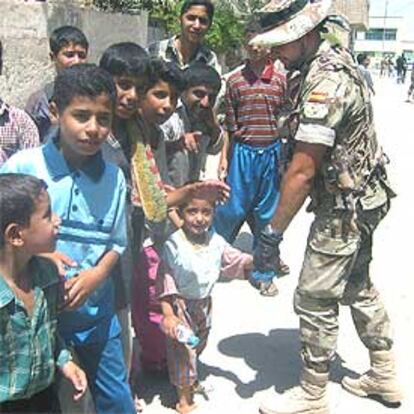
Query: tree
x,y
225,34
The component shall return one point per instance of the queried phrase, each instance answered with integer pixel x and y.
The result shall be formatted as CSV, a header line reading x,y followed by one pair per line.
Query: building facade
x,y
387,36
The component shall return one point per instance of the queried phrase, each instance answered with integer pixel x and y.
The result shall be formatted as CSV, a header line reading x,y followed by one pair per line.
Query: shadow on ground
x,y
274,357
149,386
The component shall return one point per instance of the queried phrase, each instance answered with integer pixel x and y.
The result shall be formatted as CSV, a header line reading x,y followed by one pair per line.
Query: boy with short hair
x,y
68,46
250,158
30,297
192,132
89,195
196,18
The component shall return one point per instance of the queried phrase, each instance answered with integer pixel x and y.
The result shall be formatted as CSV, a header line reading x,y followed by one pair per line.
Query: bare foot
x,y
185,408
139,404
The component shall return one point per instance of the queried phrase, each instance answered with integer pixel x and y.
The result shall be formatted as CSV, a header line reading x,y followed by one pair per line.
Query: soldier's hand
x,y
266,255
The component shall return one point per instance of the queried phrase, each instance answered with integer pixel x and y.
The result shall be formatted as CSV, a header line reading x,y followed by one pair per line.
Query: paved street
x,y
254,347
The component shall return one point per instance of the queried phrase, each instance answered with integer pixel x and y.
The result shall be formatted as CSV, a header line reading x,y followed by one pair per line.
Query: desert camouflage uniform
x,y
330,105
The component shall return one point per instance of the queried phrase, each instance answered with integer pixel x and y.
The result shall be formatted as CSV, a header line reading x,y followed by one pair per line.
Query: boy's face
x,y
127,96
69,55
195,24
40,235
256,53
158,103
199,98
197,216
84,125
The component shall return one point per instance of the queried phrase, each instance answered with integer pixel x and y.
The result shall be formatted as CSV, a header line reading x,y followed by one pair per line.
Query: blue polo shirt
x,y
91,205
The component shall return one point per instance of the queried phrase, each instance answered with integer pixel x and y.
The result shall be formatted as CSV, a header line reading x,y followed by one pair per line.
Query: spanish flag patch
x,y
318,97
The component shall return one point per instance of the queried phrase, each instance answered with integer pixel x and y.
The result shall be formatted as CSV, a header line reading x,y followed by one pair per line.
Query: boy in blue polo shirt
x,y
89,195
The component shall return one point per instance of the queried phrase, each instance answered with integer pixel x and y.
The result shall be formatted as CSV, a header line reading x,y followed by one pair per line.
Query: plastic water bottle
x,y
186,336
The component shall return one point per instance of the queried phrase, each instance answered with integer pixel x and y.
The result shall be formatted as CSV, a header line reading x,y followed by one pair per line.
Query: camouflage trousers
x,y
336,272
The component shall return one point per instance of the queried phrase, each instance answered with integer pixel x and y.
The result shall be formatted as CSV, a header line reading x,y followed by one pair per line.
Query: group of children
x,y
118,190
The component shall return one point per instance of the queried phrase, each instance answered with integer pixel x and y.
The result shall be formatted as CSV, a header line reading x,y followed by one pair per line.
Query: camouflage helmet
x,y
284,21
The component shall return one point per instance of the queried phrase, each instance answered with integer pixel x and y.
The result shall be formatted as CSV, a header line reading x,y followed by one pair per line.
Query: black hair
x,y
18,196
361,57
64,36
159,70
199,73
86,80
125,59
206,3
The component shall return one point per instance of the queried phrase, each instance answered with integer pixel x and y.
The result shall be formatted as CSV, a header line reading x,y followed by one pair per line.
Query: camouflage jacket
x,y
329,104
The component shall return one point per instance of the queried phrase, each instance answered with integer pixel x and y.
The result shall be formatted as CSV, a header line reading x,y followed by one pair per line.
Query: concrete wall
x,y
24,30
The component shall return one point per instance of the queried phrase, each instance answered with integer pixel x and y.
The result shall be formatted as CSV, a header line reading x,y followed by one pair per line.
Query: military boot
x,y
380,382
307,398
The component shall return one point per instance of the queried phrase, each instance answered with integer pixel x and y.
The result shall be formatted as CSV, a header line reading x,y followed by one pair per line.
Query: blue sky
x,y
396,8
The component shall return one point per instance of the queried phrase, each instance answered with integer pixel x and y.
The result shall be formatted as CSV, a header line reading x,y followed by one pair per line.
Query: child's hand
x,y
211,189
78,289
191,141
168,325
60,260
77,377
223,168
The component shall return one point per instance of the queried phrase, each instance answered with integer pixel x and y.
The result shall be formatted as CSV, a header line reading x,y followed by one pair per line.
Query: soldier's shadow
x,y
275,358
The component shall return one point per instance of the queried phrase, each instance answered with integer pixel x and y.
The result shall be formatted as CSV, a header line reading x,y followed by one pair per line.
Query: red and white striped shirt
x,y
17,131
253,104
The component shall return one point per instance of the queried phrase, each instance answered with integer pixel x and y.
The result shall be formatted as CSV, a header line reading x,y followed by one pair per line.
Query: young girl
x,y
195,257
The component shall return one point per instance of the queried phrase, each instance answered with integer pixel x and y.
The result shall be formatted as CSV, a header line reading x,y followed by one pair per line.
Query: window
x,y
380,34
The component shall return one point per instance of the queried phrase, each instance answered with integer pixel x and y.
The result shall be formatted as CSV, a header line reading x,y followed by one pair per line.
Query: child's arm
x,y
182,194
235,263
224,157
230,102
78,289
170,321
77,377
70,370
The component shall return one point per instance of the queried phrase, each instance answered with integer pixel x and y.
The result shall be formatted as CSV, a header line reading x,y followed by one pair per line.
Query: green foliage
x,y
132,6
225,34
227,31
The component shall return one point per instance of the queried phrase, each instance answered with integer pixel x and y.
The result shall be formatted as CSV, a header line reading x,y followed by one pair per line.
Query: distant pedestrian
x,y
401,65
411,88
383,67
363,64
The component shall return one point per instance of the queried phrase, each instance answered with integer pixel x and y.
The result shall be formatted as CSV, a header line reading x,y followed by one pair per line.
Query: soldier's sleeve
x,y
322,108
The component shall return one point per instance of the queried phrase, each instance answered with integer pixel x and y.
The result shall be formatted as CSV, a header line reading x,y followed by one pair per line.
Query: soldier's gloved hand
x,y
266,254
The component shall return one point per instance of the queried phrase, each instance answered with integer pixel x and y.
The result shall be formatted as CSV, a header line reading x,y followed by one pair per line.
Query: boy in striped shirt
x,y
254,96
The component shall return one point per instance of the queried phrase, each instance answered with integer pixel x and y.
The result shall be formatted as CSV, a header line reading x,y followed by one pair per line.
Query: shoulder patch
x,y
315,110
318,97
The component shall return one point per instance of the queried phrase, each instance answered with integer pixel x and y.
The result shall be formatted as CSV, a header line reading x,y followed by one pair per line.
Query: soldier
x,y
336,159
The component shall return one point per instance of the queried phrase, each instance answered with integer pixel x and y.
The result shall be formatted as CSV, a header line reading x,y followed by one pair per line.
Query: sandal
x,y
283,269
139,404
268,289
